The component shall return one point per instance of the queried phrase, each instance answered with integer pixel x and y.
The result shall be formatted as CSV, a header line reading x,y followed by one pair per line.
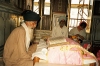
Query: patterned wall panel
x,y
2,30
9,13
61,5
9,22
95,29
95,34
7,28
46,22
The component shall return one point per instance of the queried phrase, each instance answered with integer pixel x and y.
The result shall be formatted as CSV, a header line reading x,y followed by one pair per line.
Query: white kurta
x,y
60,32
75,31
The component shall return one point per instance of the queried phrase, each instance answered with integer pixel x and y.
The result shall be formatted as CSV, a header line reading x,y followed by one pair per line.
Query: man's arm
x,y
71,33
32,49
81,37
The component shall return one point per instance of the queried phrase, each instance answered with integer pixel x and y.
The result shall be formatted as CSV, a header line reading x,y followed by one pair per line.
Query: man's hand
x,y
81,37
77,35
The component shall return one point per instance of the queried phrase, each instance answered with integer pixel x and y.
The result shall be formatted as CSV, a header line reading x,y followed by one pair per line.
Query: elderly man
x,y
16,49
60,30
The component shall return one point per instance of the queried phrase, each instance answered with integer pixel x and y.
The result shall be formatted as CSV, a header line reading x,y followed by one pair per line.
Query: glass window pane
x,y
36,0
85,13
74,1
47,7
47,10
36,6
77,1
47,1
73,13
86,2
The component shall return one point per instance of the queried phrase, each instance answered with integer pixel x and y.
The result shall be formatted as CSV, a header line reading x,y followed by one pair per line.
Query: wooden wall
x,y
95,27
8,20
60,5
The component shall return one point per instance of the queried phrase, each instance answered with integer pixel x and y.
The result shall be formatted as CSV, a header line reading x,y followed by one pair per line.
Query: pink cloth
x,y
98,54
61,55
85,46
69,53
71,41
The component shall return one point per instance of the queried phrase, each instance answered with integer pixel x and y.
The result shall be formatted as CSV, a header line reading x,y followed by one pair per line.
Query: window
x,y
47,7
74,13
36,6
79,12
81,1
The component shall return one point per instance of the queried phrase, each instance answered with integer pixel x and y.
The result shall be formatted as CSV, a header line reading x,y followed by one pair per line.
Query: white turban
x,y
61,18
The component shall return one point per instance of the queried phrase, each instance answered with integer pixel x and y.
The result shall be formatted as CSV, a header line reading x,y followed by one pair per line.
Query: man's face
x,y
62,23
31,24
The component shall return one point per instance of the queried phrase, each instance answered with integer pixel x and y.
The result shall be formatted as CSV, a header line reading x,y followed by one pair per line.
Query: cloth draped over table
x,y
69,52
65,51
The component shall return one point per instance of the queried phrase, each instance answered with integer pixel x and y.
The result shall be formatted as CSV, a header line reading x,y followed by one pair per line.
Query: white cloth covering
x,y
41,50
88,61
59,32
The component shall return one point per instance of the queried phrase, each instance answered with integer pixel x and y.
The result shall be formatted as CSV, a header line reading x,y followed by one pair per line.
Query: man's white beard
x,y
30,33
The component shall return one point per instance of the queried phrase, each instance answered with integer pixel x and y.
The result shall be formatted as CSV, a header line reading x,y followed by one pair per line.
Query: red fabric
x,y
85,46
98,54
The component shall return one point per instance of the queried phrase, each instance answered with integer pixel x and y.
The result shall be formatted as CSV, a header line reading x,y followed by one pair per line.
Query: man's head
x,y
82,25
31,18
62,20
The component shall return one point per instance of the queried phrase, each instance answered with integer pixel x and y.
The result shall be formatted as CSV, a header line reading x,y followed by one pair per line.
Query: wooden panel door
x,y
95,34
95,29
2,31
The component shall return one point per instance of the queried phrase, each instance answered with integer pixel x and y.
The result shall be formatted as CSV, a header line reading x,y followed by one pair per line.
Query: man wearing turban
x,y
60,30
17,50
